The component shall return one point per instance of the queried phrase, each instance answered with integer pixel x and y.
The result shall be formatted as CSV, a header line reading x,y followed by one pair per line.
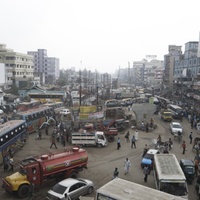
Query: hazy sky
x,y
103,34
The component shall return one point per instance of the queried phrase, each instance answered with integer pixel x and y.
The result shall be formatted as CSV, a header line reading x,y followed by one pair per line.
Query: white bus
x,y
169,176
175,110
120,189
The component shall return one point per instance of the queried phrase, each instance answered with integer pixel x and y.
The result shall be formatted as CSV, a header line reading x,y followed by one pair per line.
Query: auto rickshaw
x,y
188,168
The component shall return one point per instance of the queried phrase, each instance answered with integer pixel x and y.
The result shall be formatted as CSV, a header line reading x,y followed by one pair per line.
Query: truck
x,y
38,170
169,176
94,138
119,189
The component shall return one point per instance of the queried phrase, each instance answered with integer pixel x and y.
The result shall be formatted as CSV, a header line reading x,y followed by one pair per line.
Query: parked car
x,y
188,169
149,157
175,127
65,112
70,187
1,112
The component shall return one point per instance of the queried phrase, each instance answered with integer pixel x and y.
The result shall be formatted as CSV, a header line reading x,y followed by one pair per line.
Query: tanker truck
x,y
38,170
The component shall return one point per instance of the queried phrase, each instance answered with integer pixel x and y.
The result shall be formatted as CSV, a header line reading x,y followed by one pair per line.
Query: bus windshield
x,y
177,189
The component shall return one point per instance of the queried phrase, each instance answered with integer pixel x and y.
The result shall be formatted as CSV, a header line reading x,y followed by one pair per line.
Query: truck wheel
x,y
111,138
73,175
99,145
23,191
90,190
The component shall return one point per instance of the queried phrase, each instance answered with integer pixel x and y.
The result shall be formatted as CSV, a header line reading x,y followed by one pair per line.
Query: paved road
x,y
103,161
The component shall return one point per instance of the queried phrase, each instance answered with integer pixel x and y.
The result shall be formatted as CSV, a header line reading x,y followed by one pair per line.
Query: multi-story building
x,y
45,67
174,52
18,67
153,73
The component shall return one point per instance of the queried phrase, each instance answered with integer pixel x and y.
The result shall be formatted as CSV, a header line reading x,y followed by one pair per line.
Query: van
x,y
175,110
166,115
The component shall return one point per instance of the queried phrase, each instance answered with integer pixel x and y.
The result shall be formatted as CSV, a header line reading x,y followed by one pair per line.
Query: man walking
x,y
133,142
53,141
191,137
146,173
183,145
127,165
118,143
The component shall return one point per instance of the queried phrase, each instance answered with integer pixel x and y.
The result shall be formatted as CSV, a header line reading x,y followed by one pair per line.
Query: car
x,y
176,127
65,112
1,112
70,187
149,157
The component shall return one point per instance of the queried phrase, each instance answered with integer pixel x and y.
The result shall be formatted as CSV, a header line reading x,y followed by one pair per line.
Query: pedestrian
x,y
116,173
47,130
170,143
11,163
118,143
147,127
145,150
127,165
136,135
183,145
196,167
5,163
127,136
146,173
191,137
53,141
133,142
39,134
142,126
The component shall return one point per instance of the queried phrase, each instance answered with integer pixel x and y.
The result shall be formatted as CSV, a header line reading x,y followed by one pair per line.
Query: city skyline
x,y
98,35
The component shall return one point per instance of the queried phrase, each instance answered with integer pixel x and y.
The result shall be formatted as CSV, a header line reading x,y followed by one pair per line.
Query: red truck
x,y
39,170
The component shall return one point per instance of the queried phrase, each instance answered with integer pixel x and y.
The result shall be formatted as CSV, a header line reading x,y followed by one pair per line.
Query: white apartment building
x,y
18,67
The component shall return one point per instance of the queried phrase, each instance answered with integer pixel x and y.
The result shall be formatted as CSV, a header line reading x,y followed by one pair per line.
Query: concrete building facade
x,y
18,67
45,67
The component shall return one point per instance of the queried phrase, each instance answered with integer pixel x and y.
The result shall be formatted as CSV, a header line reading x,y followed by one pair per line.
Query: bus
x,y
175,110
169,176
112,103
23,106
35,118
47,97
120,189
12,135
57,106
127,102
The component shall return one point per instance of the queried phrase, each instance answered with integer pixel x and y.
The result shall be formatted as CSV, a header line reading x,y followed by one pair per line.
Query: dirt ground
x,y
102,161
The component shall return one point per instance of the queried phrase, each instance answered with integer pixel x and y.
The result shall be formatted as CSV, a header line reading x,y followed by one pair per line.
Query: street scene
x,y
102,161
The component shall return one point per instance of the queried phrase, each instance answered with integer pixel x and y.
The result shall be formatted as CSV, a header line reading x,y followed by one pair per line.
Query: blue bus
x,y
35,118
12,135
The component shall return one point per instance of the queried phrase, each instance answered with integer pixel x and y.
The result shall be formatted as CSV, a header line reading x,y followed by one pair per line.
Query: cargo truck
x,y
38,170
96,138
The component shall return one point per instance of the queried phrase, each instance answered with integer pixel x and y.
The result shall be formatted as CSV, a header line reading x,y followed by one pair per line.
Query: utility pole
x,y
80,88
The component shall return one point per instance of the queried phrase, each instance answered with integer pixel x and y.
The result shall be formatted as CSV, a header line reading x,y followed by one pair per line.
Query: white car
x,y
175,127
70,187
1,112
65,112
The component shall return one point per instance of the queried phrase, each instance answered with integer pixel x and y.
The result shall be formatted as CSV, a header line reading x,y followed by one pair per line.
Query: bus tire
x,y
23,191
